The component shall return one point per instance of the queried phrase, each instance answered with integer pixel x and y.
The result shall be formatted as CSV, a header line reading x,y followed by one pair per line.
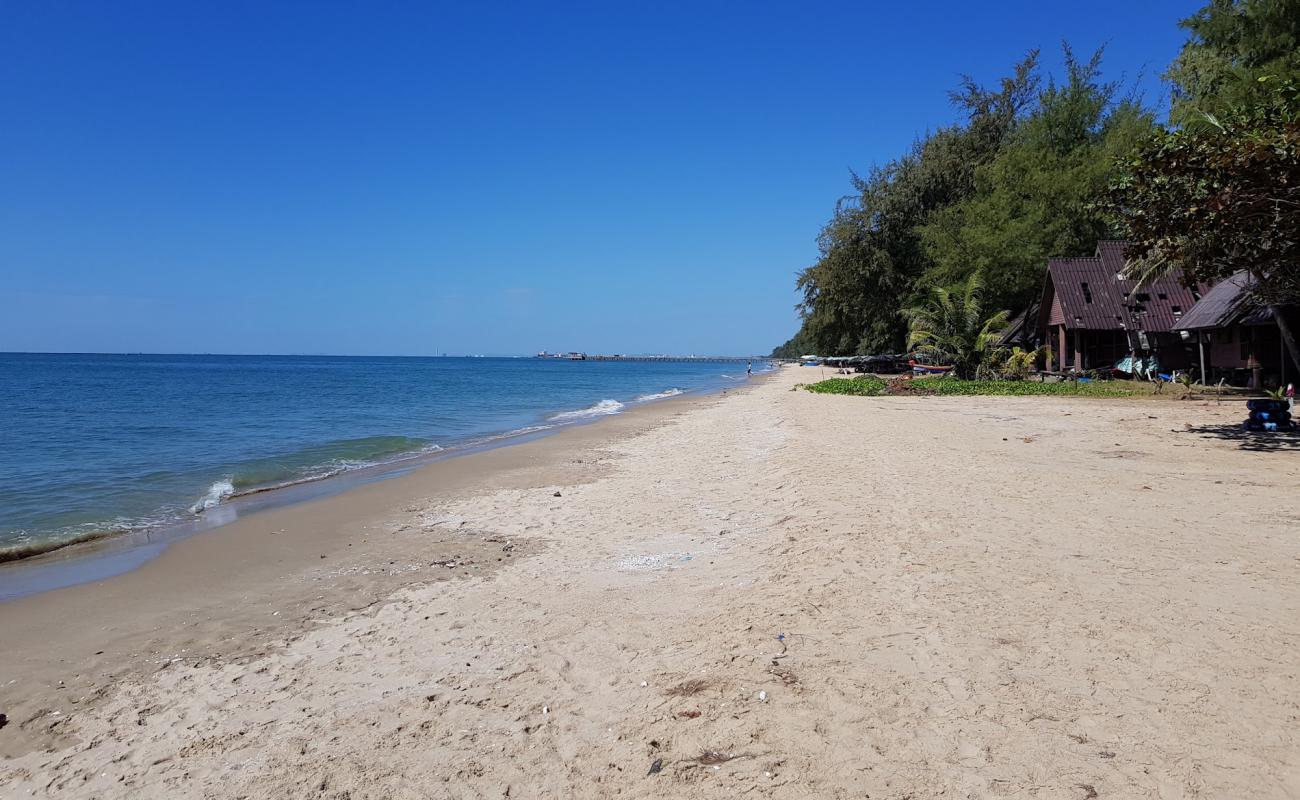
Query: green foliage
x,y
951,327
1039,171
998,194
953,386
1232,45
1036,199
956,386
871,251
1222,198
1014,364
795,347
865,386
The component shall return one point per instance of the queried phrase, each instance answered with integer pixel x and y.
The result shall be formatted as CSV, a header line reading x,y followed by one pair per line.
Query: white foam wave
x,y
646,398
603,408
217,492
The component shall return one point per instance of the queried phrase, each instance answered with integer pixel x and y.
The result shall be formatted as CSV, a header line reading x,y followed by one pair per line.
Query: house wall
x,y
1245,355
1057,316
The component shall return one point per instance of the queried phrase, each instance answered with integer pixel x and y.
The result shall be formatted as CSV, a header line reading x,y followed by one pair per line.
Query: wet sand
x,y
974,597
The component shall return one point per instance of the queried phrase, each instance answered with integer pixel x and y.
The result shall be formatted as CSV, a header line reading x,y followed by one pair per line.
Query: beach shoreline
x,y
268,551
740,588
102,555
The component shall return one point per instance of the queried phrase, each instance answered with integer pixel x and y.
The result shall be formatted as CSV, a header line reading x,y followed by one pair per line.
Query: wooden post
x,y
1200,342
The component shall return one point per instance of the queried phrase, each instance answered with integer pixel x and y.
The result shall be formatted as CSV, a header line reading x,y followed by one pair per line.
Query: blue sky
x,y
415,178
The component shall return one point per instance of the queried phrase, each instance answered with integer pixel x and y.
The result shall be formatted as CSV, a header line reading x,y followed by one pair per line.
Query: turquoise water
x,y
98,445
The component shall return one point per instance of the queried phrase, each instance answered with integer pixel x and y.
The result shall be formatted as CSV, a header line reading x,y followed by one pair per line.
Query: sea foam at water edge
x,y
646,398
216,493
603,408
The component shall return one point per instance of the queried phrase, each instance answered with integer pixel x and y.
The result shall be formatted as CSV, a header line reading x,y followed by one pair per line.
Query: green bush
x,y
865,386
872,387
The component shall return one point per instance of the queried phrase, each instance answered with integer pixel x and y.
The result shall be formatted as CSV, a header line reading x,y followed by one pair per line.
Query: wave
x,y
601,409
311,464
646,398
36,547
217,492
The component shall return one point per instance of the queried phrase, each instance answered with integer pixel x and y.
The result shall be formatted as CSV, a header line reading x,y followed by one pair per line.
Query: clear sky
x,y
416,178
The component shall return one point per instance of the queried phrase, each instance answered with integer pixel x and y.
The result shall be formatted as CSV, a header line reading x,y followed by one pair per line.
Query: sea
x,y
100,446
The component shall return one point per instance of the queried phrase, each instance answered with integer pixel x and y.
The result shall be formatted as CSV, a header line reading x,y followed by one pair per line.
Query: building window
x,y
1162,296
1087,294
1143,297
1178,310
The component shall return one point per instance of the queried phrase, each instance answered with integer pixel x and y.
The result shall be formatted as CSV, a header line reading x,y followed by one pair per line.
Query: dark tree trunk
x,y
1287,325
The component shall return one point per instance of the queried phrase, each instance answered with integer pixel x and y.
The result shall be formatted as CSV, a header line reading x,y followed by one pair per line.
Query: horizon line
x,y
355,355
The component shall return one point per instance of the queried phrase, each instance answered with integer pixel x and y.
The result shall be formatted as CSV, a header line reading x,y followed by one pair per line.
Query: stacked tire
x,y
1268,415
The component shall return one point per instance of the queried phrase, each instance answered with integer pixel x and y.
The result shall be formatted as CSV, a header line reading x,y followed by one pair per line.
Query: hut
x,y
1091,316
1236,337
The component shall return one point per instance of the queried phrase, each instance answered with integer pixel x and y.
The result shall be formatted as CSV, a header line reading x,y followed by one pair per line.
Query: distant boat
x,y
930,369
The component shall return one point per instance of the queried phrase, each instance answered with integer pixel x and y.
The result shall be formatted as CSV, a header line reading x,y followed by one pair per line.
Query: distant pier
x,y
663,358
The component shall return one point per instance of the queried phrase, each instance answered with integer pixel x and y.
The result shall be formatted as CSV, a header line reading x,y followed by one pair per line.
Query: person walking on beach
x,y
1290,397
749,369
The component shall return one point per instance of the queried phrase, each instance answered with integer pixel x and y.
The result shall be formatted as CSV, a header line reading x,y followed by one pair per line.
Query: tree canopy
x,y
997,194
1232,44
1041,167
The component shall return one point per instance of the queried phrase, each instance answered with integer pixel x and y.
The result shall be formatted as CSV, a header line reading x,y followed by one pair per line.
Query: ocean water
x,y
98,445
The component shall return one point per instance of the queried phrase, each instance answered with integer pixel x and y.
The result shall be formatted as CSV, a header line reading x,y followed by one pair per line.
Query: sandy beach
x,y
766,593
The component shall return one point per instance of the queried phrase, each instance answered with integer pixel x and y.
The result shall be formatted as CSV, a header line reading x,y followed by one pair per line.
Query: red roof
x,y
1093,296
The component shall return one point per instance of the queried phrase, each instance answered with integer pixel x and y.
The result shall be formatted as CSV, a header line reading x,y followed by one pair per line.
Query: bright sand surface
x,y
979,597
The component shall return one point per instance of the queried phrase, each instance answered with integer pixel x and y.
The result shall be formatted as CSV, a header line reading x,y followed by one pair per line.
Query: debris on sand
x,y
688,688
656,767
710,758
902,385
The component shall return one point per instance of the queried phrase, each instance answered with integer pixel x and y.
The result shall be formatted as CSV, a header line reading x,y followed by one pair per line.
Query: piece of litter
x,y
762,697
656,766
643,684
546,710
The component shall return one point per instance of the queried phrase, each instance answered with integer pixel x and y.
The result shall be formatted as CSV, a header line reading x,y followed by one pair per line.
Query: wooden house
x,y
1236,338
1091,316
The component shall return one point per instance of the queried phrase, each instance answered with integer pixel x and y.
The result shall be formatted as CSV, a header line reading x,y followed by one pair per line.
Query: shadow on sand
x,y
1261,442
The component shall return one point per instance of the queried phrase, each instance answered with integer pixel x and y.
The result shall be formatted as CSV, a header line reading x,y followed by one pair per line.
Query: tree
x,y
871,255
1223,197
1233,43
793,348
1036,198
949,325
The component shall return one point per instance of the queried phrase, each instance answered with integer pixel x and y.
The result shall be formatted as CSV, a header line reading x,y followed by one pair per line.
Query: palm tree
x,y
949,325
